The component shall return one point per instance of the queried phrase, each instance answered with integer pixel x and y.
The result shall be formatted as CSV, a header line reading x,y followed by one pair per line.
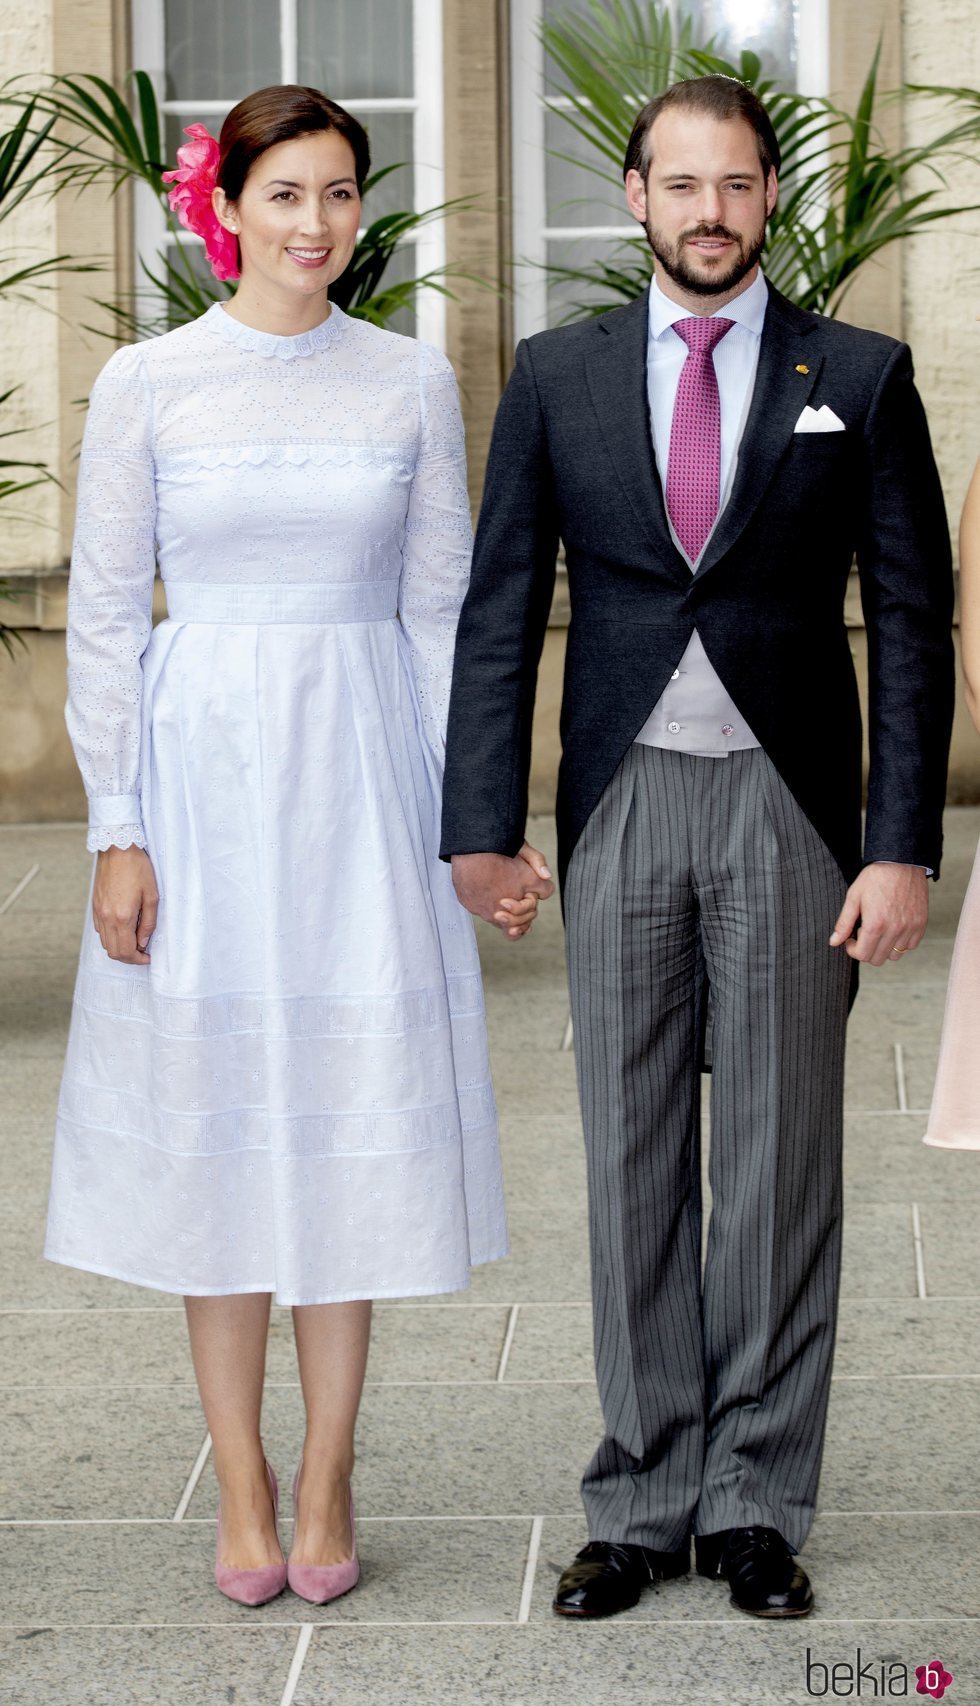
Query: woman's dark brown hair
x,y
279,114
717,97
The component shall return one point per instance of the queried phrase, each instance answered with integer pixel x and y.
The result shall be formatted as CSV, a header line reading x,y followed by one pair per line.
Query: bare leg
x,y
332,1347
228,1339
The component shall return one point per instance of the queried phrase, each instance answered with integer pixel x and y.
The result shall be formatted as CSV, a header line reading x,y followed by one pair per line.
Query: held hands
x,y
884,914
124,904
502,890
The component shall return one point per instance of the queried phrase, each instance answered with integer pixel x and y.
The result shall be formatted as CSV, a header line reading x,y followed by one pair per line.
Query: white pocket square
x,y
819,420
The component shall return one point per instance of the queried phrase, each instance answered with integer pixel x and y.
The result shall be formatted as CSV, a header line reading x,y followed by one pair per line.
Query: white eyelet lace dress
x,y
294,1096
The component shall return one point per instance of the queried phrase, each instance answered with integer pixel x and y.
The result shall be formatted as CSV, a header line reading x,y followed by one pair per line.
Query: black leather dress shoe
x,y
605,1578
759,1567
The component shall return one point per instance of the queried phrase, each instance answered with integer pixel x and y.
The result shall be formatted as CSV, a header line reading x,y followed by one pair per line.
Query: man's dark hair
x,y
719,97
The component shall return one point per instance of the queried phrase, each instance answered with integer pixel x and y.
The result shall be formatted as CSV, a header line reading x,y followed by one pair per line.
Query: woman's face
x,y
297,217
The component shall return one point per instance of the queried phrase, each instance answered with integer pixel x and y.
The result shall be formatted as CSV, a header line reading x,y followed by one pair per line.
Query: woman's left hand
x,y
515,917
124,903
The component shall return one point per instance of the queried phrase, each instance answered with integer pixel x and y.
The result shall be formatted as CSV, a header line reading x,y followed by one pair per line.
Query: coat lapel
x,y
779,395
616,373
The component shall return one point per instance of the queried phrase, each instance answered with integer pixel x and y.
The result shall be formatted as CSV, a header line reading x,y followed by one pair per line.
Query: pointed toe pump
x,y
252,1587
319,1583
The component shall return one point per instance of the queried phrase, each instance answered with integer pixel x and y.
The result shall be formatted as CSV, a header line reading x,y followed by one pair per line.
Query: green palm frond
x,y
98,137
10,637
43,274
844,196
39,472
20,151
12,484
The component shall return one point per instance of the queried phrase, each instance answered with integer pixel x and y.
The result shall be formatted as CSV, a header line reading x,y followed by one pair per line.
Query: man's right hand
x,y
502,890
124,904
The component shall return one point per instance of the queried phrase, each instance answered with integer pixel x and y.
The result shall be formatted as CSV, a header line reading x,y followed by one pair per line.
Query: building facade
x,y
455,90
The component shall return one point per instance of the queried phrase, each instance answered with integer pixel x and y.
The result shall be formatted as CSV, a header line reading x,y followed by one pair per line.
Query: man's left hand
x,y
885,913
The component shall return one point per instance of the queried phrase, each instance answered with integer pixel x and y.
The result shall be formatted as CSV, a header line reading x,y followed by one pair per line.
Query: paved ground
x,y
479,1412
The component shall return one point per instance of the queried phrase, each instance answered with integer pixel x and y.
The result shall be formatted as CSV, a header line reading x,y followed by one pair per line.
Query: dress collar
x,y
270,344
748,310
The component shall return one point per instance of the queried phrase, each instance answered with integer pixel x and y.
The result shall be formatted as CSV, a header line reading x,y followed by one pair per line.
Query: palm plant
x,y
105,141
845,196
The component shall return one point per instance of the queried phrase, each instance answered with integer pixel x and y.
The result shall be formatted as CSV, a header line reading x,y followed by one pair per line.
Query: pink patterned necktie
x,y
694,463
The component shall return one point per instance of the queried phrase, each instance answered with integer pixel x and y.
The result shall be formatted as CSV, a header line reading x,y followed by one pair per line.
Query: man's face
x,y
705,203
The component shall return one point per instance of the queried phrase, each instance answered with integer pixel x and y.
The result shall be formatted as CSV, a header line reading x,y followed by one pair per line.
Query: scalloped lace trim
x,y
115,835
268,344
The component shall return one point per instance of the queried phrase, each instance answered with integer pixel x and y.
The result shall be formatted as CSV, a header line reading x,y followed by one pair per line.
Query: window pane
x,y
356,47
570,299
220,50
575,195
555,9
766,27
391,139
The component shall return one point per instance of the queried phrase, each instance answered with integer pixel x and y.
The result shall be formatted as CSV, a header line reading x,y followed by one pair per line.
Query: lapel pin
x,y
802,367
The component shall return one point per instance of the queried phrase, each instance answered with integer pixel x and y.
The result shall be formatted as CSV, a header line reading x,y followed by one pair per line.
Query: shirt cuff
x,y
107,810
114,820
927,868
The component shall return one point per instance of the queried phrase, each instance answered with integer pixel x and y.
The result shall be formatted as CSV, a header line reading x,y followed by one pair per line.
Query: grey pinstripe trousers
x,y
714,1391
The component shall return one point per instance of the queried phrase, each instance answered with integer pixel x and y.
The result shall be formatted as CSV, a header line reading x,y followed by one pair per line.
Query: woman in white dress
x,y
954,1118
277,1079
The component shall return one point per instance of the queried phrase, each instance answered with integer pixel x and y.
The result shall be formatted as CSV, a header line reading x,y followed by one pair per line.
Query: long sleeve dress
x,y
294,1096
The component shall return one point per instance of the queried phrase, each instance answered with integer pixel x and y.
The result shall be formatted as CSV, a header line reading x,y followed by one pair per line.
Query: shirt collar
x,y
748,310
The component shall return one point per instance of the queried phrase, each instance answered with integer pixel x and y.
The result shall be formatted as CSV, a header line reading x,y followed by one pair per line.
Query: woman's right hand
x,y
124,903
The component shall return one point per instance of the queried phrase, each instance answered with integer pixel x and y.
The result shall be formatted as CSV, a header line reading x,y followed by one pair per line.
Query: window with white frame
x,y
382,59
563,214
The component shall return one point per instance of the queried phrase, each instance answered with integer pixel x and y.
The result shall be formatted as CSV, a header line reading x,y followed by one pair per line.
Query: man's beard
x,y
674,259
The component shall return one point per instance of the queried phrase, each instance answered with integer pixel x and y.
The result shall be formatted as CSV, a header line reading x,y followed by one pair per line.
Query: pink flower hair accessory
x,y
194,179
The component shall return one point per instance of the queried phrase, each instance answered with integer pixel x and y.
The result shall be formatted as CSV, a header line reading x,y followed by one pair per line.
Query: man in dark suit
x,y
713,458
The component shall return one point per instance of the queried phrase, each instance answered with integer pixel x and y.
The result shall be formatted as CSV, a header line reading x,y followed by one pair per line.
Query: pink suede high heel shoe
x,y
252,1587
321,1582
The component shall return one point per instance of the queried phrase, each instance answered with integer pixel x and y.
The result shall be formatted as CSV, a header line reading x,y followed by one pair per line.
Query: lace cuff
x,y
114,820
115,835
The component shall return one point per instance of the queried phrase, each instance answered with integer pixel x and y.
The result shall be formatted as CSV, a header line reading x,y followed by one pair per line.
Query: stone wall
x,y
476,121
941,269
47,353
30,534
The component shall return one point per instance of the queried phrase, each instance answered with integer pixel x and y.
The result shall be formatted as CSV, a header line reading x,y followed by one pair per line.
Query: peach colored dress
x,y
954,1118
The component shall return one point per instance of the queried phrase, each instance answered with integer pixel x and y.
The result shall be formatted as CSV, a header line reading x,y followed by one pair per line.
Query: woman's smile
x,y
309,257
